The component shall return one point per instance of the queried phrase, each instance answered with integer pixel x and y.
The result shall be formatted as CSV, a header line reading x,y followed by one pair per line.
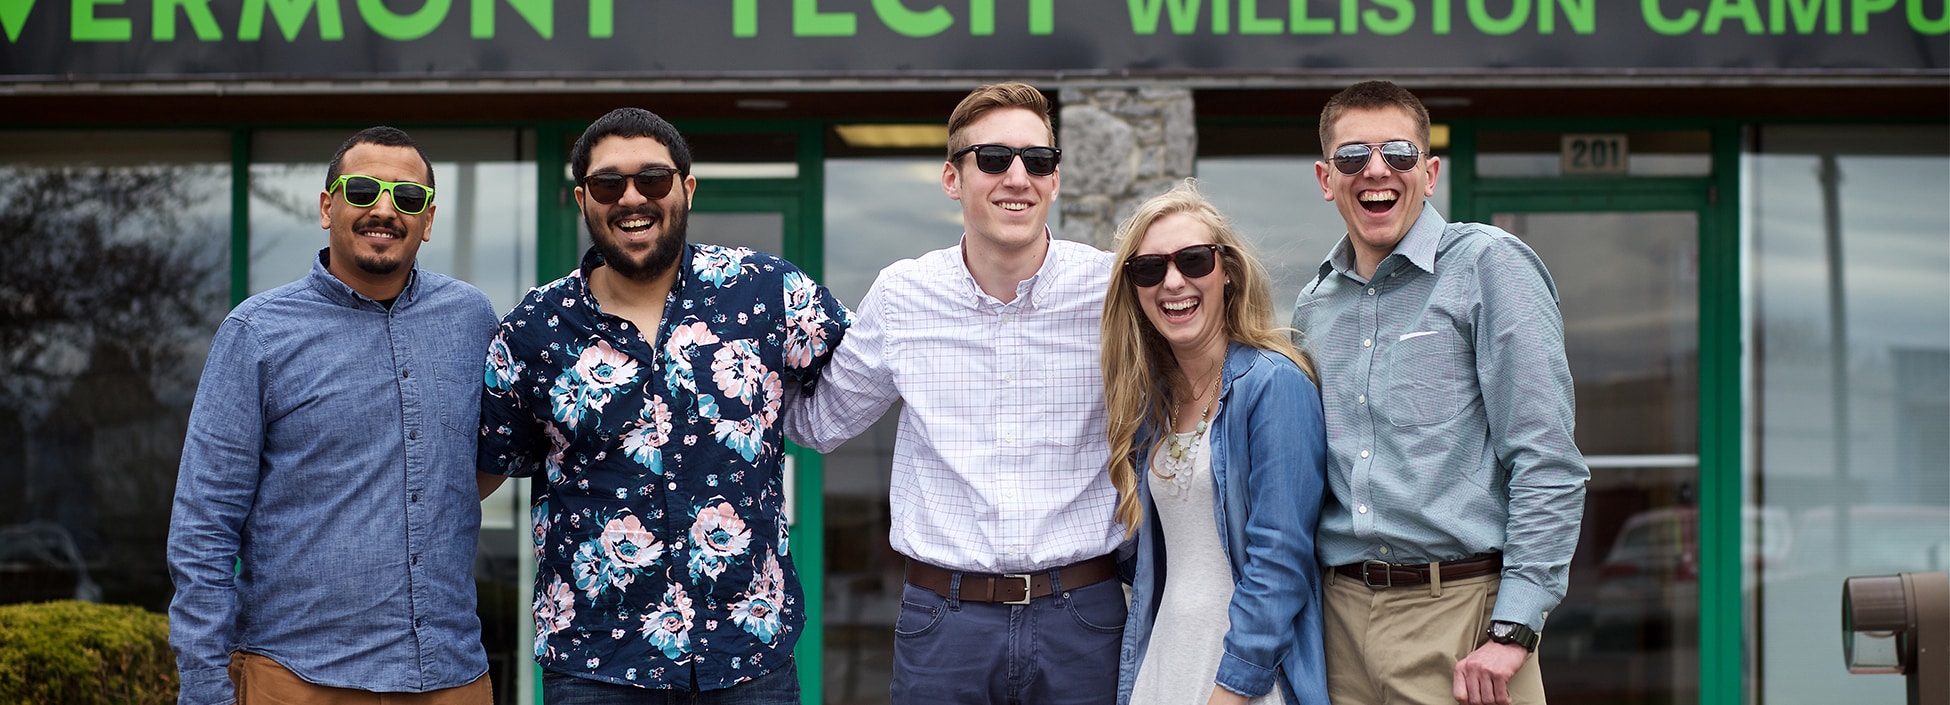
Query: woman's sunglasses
x,y
996,158
607,187
363,191
1400,155
1193,262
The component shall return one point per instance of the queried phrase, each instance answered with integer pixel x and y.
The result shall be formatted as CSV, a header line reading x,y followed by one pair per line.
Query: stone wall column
x,y
1121,146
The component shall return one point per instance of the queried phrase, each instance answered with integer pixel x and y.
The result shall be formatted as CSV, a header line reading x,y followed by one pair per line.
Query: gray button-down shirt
x,y
1449,409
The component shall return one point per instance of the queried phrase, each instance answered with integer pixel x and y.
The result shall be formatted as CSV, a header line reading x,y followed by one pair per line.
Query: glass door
x,y
1628,280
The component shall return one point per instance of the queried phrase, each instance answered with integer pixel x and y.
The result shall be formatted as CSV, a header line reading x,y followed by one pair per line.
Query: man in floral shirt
x,y
643,392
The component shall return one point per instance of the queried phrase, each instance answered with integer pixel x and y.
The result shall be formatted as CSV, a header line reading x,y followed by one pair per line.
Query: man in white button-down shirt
x,y
999,497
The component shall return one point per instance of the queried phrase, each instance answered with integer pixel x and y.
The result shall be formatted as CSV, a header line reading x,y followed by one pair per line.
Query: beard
x,y
375,263
663,251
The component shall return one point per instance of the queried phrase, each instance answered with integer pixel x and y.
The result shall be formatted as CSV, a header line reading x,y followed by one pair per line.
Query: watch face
x,y
1502,630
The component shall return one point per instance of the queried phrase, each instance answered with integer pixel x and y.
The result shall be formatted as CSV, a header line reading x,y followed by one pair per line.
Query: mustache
x,y
373,222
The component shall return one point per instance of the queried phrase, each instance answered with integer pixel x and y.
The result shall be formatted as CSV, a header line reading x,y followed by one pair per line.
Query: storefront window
x,y
1849,365
115,276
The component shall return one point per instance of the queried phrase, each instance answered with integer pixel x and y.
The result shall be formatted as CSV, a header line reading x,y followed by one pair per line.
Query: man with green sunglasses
x,y
323,535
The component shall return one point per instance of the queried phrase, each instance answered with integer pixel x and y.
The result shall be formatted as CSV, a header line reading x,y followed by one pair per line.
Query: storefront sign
x,y
421,39
1593,155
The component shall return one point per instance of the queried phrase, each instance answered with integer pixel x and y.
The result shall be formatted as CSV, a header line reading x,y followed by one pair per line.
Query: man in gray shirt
x,y
1455,487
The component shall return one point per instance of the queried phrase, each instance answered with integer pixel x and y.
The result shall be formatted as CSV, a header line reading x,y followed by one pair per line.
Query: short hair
x,y
380,135
990,98
1372,95
629,122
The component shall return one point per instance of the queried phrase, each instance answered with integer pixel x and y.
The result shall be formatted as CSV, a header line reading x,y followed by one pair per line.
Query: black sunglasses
x,y
608,187
1193,262
996,158
1400,155
363,192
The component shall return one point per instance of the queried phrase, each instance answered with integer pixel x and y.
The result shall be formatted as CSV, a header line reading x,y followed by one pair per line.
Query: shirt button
x,y
1363,399
1362,509
416,496
1384,550
1371,291
673,487
406,374
1364,454
1367,342
413,435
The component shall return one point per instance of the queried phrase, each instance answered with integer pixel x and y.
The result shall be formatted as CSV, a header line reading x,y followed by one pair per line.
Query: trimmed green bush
x,y
81,653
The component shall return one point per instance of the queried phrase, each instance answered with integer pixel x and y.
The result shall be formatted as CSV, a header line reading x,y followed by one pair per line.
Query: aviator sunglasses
x,y
1193,262
1400,155
996,158
363,191
607,187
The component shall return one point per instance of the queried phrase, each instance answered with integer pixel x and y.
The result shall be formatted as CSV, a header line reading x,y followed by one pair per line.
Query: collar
x,y
1418,246
343,294
1025,289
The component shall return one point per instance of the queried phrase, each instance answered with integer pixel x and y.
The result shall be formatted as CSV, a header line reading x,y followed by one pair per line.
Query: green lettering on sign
x,y
744,18
1479,15
1299,23
1864,8
1805,13
1744,10
1144,15
1666,25
162,20
1581,14
1251,23
981,17
1925,25
407,27
808,21
910,23
540,14
1404,17
86,27
602,19
1350,16
1042,16
13,14
290,15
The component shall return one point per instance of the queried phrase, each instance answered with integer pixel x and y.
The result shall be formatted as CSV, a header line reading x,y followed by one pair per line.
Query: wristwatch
x,y
1514,633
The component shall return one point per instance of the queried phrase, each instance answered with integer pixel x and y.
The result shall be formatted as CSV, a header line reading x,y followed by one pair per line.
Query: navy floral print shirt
x,y
661,547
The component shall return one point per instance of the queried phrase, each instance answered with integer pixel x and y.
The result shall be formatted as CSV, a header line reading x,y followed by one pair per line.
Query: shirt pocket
x,y
1431,377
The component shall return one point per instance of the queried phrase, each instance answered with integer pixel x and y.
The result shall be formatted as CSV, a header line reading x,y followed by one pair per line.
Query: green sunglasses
x,y
363,191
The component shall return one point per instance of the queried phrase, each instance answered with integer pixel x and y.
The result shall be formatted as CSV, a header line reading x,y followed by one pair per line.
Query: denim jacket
x,y
1268,469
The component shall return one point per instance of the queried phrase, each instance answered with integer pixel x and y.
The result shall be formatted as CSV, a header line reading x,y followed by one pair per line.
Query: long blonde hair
x,y
1141,377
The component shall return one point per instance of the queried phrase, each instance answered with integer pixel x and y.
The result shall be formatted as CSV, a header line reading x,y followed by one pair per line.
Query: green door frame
x,y
1715,198
802,202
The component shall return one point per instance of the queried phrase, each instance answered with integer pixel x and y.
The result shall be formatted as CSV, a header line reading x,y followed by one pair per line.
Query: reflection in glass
x,y
1850,371
115,278
1628,289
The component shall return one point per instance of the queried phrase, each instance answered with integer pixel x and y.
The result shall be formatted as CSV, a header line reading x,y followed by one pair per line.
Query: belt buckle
x,y
1367,575
1025,589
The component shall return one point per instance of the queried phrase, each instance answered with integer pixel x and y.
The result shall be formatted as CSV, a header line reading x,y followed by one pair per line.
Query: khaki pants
x,y
1399,646
262,681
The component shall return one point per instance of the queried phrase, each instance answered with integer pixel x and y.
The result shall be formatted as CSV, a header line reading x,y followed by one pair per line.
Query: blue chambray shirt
x,y
662,556
1449,409
1268,460
331,452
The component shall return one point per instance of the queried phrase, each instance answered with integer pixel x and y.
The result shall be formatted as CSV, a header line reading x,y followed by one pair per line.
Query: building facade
x,y
1745,205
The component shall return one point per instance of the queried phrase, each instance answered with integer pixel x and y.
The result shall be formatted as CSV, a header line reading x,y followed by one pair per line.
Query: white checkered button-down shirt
x,y
999,460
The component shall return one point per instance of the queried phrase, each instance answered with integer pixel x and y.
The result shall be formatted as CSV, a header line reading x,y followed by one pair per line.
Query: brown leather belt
x,y
1013,588
1380,575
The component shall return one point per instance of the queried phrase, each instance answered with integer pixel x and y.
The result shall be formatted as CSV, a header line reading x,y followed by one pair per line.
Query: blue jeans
x,y
780,687
1057,650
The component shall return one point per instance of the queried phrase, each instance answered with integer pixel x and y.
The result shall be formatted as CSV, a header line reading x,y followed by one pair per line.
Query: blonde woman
x,y
1218,456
